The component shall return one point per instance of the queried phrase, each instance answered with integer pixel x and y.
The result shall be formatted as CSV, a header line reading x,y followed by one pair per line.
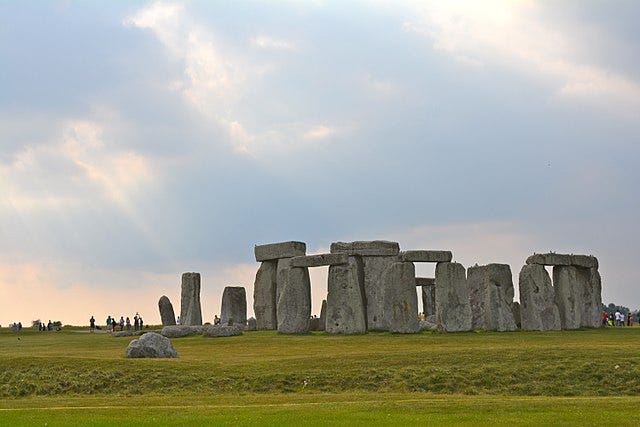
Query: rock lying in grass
x,y
221,330
151,344
123,334
179,331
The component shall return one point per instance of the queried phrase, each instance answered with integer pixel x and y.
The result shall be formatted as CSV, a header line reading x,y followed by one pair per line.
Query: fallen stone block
x,y
366,248
221,331
179,331
152,345
275,251
319,260
426,256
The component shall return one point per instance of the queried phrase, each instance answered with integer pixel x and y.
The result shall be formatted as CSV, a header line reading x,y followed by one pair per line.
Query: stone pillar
x,y
323,316
538,310
453,310
167,315
592,299
491,297
400,298
264,296
190,309
294,298
515,308
429,300
234,306
567,284
345,312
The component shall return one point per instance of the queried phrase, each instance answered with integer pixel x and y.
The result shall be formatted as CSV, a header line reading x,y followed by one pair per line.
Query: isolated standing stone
x,y
264,296
167,316
151,344
591,299
190,309
453,311
345,301
323,316
294,298
538,310
234,306
491,297
567,284
429,299
400,299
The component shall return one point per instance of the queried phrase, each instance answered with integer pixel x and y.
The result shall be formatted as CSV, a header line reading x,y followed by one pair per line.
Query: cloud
x,y
266,42
319,132
515,34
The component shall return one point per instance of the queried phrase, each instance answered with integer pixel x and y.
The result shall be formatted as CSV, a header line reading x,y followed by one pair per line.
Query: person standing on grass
x,y
121,323
108,323
141,322
92,324
128,324
136,322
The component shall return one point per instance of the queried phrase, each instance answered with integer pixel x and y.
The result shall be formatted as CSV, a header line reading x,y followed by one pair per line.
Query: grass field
x,y
584,377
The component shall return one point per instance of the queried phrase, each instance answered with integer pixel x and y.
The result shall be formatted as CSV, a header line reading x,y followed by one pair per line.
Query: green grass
x,y
263,377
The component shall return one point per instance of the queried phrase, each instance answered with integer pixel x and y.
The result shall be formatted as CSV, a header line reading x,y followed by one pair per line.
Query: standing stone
x,y
234,306
453,311
374,288
429,299
400,299
345,300
264,296
491,297
592,299
515,308
190,310
167,315
567,284
252,324
538,310
323,316
294,298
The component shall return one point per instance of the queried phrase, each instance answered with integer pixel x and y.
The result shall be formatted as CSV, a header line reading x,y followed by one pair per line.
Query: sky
x,y
141,140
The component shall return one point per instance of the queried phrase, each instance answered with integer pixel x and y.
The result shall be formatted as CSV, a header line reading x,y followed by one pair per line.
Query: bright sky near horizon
x,y
140,140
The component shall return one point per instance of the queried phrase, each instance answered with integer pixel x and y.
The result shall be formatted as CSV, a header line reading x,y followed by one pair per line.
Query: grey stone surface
x,y
426,256
429,323
252,324
345,300
178,331
167,315
374,290
190,309
314,324
429,299
425,281
221,330
586,261
515,309
123,334
319,260
323,316
549,258
264,296
538,310
568,282
366,248
591,299
275,251
400,298
453,310
151,344
491,296
234,306
294,298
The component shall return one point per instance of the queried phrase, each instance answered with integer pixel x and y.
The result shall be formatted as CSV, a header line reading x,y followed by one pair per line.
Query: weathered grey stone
x,y
294,298
234,306
151,344
591,299
491,297
179,331
275,251
190,309
221,330
549,259
586,261
345,299
515,309
314,324
538,310
429,323
123,334
374,290
453,310
323,316
400,298
319,260
426,256
568,283
252,324
264,296
167,315
425,281
429,299
366,248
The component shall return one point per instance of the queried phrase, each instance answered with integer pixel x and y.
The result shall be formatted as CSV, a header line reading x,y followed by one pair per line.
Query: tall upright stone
x,y
567,284
323,316
400,298
491,295
453,310
345,300
515,308
167,315
429,300
294,298
264,296
190,309
592,299
234,306
538,310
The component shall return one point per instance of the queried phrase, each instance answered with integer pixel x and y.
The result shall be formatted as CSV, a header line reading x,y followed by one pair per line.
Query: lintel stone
x,y
549,259
273,251
426,256
320,260
586,261
366,248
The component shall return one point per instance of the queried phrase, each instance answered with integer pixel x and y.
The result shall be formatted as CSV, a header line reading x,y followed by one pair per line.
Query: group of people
x,y
112,323
617,319
48,327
